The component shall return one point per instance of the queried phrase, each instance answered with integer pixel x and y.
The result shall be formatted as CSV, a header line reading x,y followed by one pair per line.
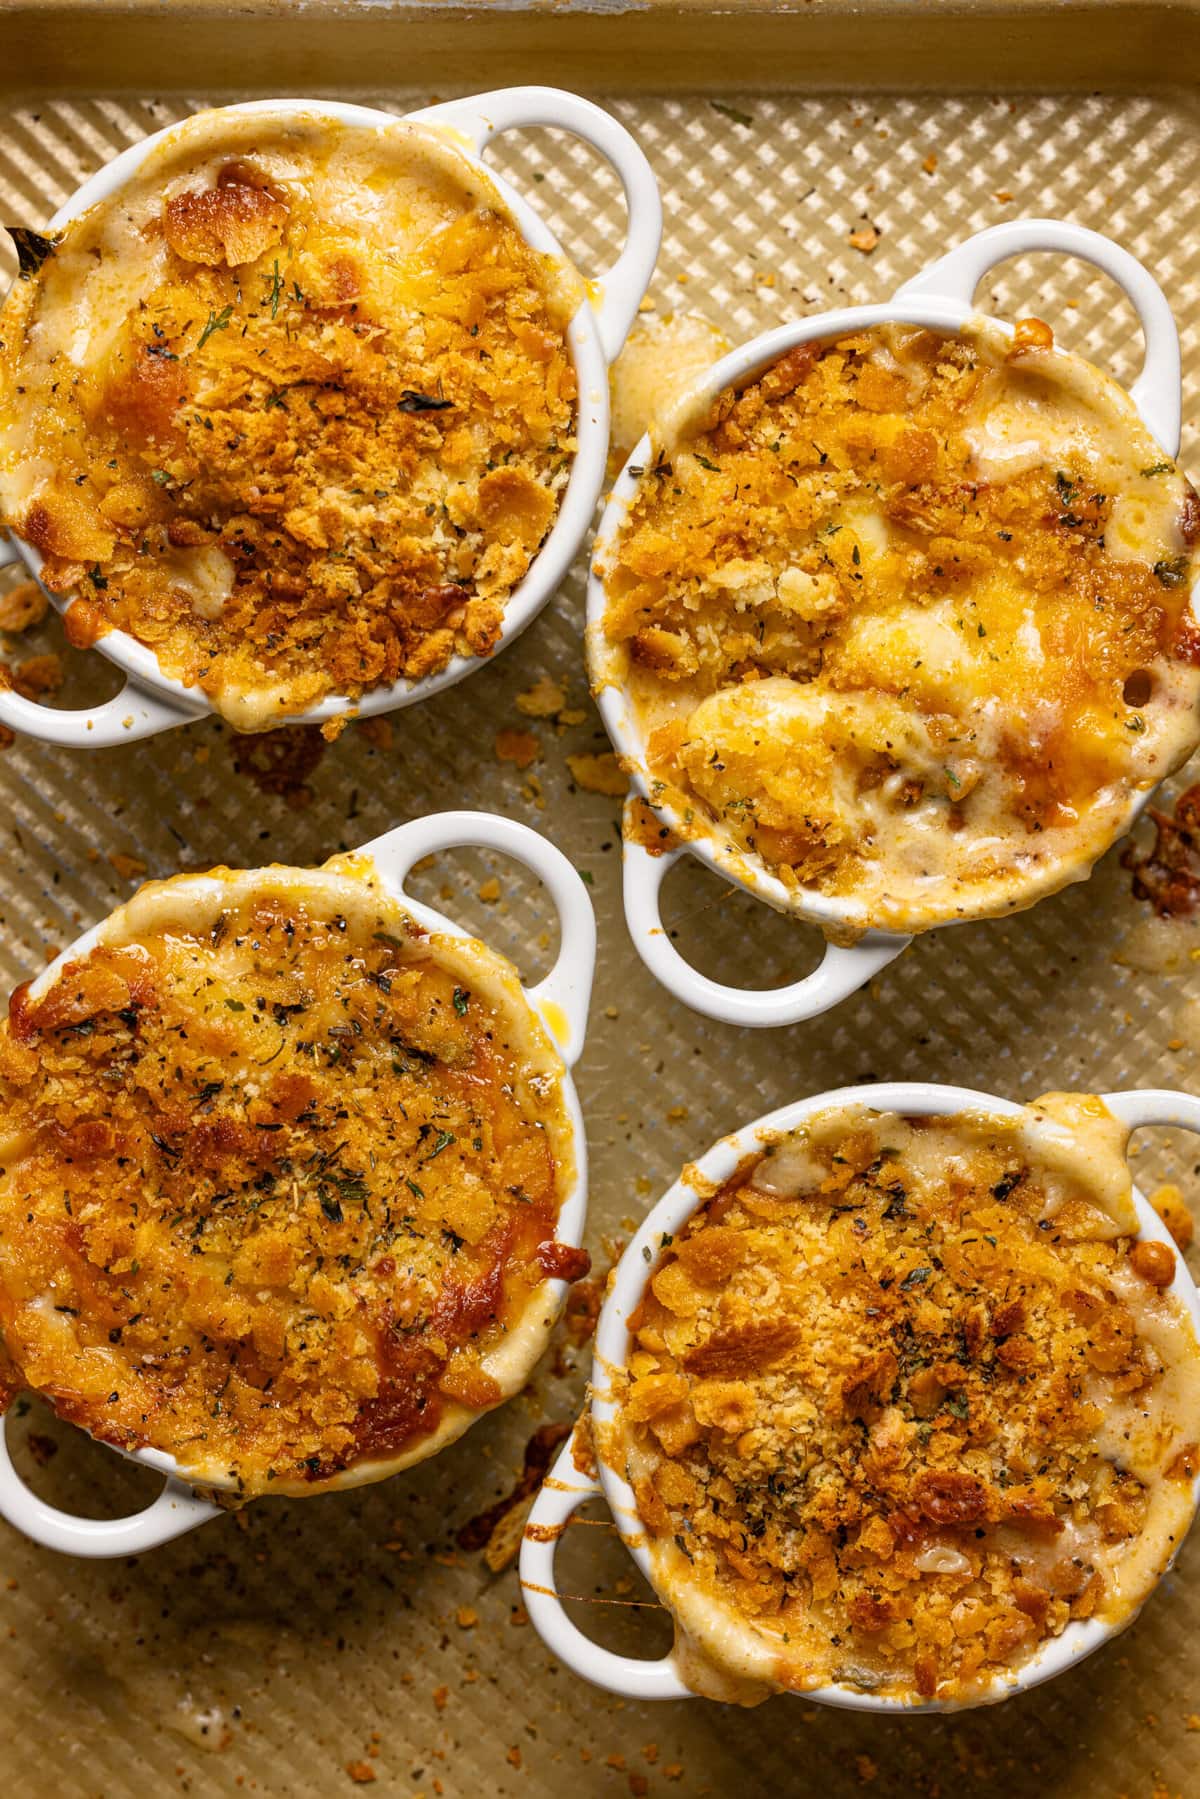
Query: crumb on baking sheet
x,y
865,238
545,699
38,676
518,747
379,732
598,773
23,606
130,868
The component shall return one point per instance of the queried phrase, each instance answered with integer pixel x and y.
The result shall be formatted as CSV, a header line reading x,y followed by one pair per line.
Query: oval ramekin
x,y
940,298
568,1486
560,1001
151,701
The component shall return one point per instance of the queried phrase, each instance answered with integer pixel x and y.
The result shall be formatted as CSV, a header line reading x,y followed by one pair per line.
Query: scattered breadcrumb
x,y
532,791
440,1697
489,891
130,868
22,606
521,747
545,699
647,304
38,675
1002,194
362,1772
598,774
930,163
466,1617
865,238
377,731
1192,1721
513,1756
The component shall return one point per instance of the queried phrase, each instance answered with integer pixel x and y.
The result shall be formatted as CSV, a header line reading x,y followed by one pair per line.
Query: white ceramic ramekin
x,y
560,1001
151,701
941,298
567,1487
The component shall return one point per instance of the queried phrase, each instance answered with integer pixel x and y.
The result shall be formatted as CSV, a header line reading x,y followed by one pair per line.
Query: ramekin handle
x,y
1154,1105
563,997
481,117
841,971
1157,393
564,1491
129,715
176,1511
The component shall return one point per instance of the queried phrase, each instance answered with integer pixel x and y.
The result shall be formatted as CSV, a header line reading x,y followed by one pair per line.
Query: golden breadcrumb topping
x,y
296,412
274,1183
906,620
904,1398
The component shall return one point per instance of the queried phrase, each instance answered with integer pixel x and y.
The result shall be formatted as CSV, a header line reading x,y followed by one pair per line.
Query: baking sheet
x,y
306,1647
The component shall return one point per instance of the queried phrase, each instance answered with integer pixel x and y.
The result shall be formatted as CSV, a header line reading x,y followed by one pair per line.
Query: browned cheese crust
x,y
271,1189
866,1388
312,459
906,619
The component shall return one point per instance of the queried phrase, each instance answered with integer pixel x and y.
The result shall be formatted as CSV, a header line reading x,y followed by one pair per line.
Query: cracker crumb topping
x,y
275,1181
903,1398
303,414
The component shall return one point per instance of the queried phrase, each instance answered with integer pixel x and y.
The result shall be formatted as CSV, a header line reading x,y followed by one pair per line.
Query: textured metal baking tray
x,y
280,1647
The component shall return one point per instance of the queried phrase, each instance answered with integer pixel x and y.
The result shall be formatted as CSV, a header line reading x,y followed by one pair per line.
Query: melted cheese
x,y
902,1403
907,622
294,408
280,1175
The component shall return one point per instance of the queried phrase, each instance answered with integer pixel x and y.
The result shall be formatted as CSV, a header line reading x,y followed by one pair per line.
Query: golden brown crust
x,y
318,455
867,1395
272,1188
892,643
